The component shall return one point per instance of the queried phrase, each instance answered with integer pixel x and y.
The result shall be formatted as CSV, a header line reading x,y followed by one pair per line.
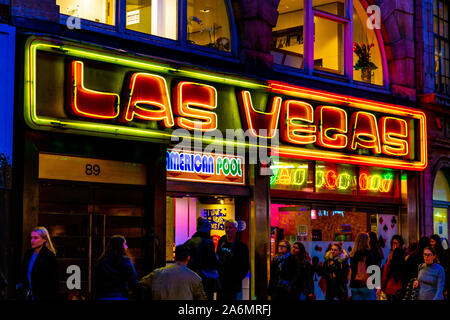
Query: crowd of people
x,y
200,271
203,272
419,272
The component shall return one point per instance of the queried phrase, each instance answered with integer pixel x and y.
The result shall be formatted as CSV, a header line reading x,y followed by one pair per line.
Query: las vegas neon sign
x,y
336,129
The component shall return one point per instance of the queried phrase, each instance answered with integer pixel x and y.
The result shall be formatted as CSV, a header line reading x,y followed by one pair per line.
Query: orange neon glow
x,y
90,103
293,111
420,163
392,130
332,123
257,120
189,95
386,185
147,92
364,132
363,181
331,179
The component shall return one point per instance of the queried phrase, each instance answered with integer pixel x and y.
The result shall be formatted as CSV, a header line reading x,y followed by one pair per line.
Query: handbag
x,y
411,293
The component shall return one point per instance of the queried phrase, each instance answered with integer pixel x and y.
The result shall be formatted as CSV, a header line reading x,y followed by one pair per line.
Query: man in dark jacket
x,y
203,258
233,260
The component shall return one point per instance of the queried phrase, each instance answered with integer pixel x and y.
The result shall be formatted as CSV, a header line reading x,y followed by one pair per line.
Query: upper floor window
x,y
327,35
206,22
441,46
156,17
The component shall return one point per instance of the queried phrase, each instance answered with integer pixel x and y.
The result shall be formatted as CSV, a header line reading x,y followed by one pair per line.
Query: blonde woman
x,y
40,269
360,258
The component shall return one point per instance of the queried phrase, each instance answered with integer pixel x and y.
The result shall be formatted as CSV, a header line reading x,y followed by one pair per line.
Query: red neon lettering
x,y
189,94
364,132
257,120
332,123
392,130
331,179
147,92
90,103
292,112
363,181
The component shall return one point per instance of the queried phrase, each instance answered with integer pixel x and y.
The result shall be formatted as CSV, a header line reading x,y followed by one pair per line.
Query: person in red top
x,y
392,278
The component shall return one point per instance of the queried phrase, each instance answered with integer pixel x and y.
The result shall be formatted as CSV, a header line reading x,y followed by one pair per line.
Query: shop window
x,y
333,178
441,46
208,24
102,11
316,35
441,204
155,17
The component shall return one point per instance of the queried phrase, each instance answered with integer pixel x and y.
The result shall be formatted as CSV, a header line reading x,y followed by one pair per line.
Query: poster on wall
x,y
216,214
387,227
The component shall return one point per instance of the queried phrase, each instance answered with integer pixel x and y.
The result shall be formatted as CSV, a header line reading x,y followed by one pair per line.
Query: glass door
x,y
81,218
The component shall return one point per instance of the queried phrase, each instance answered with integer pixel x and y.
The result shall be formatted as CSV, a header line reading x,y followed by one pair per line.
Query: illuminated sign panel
x,y
204,167
112,94
325,177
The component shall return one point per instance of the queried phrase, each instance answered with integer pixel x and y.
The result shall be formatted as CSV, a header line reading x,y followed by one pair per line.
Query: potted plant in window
x,y
364,64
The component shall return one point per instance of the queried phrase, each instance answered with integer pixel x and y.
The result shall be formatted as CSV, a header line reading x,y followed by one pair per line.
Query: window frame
x,y
308,69
120,30
439,37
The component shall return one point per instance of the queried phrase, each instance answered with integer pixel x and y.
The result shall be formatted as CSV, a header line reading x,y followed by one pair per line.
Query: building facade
x,y
291,129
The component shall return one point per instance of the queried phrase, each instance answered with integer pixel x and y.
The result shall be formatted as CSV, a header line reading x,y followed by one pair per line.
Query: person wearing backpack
x,y
360,259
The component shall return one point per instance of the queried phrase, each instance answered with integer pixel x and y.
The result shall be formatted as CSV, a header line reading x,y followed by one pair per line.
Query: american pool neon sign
x,y
205,167
331,180
337,128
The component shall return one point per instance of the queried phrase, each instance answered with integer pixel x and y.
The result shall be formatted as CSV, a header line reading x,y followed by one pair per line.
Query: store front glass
x,y
320,203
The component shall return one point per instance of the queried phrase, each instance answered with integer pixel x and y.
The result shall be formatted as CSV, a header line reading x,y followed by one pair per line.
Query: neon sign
x,y
313,124
296,178
205,167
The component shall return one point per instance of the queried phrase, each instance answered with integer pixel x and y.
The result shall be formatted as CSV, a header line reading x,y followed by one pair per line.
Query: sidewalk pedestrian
x,y
415,259
203,260
360,258
296,278
375,248
335,270
431,279
435,242
40,268
393,274
115,276
233,262
175,281
284,251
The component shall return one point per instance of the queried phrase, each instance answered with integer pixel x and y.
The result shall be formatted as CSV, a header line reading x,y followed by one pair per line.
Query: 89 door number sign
x,y
92,169
249,310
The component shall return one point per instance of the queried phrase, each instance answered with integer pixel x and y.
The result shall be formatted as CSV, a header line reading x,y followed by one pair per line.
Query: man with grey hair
x,y
234,262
